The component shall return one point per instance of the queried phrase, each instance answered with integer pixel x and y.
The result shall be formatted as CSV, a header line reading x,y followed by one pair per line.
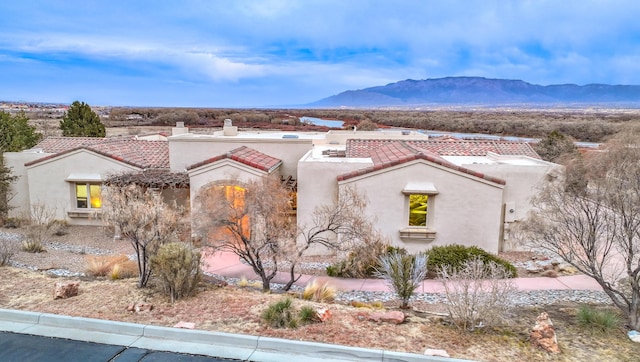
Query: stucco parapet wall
x,y
242,137
420,156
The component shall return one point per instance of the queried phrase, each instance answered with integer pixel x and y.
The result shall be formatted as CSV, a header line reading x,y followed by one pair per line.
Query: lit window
x,y
418,205
88,196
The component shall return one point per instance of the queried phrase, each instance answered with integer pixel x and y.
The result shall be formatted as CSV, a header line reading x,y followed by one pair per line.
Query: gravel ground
x,y
66,256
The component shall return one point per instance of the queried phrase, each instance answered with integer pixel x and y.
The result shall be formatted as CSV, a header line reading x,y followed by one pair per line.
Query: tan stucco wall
x,y
19,191
223,170
47,183
317,185
523,183
186,150
465,211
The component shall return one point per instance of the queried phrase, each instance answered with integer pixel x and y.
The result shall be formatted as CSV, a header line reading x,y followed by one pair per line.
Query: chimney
x,y
179,129
229,129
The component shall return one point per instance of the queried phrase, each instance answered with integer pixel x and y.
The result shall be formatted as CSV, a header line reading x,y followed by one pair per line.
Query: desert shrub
x,y
403,273
478,293
177,267
599,320
126,269
12,223
42,225
101,265
282,314
456,256
319,291
307,315
8,248
361,262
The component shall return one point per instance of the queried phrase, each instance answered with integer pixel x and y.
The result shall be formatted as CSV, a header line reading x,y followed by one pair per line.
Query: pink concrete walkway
x,y
228,265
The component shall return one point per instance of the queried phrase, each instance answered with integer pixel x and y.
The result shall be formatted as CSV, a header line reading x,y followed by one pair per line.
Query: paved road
x,y
28,348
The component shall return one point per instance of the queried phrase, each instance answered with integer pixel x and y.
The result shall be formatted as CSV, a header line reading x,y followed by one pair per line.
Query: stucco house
x,y
421,191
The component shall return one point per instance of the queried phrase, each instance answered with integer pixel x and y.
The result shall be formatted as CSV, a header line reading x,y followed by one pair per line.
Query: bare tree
x,y
338,226
252,221
255,223
141,216
591,219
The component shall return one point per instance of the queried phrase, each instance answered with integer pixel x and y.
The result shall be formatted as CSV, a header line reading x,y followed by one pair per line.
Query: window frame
x,y
418,232
89,198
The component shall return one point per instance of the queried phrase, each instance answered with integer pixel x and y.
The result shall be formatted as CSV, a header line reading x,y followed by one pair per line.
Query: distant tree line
x,y
579,125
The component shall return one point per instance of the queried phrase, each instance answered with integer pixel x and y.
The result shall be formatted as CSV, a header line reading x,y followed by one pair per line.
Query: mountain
x,y
478,90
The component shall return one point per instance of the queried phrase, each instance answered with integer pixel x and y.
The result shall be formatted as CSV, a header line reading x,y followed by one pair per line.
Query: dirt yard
x,y
235,309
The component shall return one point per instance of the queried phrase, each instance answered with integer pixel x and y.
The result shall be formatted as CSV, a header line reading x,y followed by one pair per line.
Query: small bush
x,y
319,291
102,265
126,269
361,262
282,314
307,315
456,256
177,266
596,319
33,246
8,248
403,273
477,293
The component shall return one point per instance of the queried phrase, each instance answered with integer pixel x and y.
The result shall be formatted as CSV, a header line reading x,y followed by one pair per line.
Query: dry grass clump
x,y
319,291
114,266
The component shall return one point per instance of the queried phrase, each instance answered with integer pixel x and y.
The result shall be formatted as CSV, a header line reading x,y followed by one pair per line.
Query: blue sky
x,y
237,53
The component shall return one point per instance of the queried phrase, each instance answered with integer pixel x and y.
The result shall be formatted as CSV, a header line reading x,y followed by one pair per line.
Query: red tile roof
x,y
247,156
445,147
138,153
388,153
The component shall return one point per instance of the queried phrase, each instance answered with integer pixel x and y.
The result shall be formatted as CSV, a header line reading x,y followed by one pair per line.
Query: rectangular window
x,y
88,196
418,208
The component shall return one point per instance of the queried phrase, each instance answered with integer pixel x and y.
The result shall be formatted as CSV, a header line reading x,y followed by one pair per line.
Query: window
x,y
88,196
418,207
419,203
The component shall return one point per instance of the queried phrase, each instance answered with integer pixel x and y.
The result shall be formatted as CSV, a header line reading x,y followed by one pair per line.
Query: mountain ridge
x,y
479,90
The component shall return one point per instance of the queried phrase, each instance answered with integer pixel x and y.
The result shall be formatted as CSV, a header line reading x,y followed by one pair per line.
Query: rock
x,y
322,314
185,325
395,317
549,274
65,290
140,307
436,352
634,335
533,269
543,334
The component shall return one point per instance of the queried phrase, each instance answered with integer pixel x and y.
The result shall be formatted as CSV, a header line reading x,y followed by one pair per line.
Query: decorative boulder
x,y
322,314
64,290
543,334
395,317
140,307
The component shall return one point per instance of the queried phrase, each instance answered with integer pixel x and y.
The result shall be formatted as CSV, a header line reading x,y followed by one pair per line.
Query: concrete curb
x,y
215,344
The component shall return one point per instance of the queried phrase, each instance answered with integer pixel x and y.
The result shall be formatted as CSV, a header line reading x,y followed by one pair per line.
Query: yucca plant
x,y
403,273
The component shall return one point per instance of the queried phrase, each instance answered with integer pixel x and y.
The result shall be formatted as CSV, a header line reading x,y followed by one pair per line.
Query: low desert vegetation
x,y
176,266
403,273
455,257
283,314
319,291
8,248
112,266
599,320
42,225
478,293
